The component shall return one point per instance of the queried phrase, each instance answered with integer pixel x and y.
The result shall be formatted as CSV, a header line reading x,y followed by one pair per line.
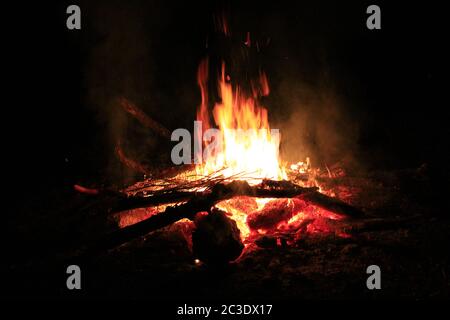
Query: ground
x,y
413,255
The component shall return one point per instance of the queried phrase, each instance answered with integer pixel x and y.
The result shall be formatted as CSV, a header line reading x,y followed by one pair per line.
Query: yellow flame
x,y
249,148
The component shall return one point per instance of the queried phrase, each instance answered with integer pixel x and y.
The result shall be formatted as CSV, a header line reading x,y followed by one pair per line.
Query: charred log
x,y
219,192
197,202
273,213
216,239
203,202
331,204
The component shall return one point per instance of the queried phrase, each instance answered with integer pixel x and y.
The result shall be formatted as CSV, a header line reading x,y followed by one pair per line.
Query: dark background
x,y
390,79
59,123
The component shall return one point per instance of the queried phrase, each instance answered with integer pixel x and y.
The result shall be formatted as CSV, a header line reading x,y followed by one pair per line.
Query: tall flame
x,y
250,149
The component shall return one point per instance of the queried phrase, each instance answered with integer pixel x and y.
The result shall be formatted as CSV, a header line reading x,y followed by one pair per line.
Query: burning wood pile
x,y
233,192
225,217
236,194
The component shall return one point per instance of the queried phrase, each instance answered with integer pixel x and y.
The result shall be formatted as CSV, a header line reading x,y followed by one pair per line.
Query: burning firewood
x,y
271,214
193,202
331,204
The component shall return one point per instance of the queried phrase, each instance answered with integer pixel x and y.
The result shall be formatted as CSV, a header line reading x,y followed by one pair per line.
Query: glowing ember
x,y
130,217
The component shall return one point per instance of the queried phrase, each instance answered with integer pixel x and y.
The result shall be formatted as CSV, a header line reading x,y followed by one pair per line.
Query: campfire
x,y
162,154
235,193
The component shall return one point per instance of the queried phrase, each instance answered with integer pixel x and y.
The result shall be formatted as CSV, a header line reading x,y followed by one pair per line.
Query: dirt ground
x,y
413,255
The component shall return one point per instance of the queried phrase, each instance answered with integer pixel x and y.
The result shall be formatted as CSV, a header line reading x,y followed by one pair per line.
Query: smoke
x,y
121,64
314,94
319,125
148,53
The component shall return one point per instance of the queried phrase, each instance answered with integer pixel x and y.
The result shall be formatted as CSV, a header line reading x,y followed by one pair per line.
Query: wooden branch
x,y
267,189
130,163
331,204
143,118
197,203
140,202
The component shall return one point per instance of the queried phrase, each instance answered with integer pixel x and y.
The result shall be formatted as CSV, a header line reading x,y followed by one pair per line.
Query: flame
x,y
249,148
249,151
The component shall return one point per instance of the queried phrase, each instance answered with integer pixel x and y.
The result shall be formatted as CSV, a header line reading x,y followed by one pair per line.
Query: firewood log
x,y
198,202
216,239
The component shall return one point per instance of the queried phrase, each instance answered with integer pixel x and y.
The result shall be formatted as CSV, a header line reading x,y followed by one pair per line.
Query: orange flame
x,y
249,147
